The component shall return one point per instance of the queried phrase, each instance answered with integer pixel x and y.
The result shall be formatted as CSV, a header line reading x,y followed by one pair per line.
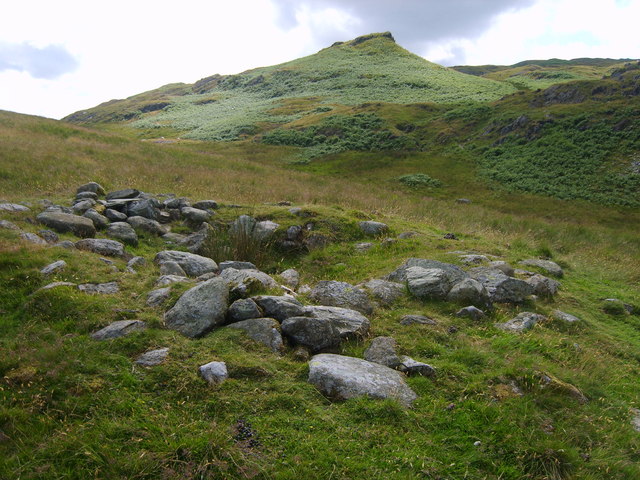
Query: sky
x,y
62,56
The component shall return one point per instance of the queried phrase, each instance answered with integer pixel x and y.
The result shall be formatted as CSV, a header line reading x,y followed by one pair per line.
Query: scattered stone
x,y
373,229
450,236
314,333
244,283
109,288
148,225
384,291
99,221
92,187
407,320
465,201
543,286
101,246
341,294
8,225
454,272
199,309
172,268
33,238
428,283
382,350
54,267
118,329
243,309
152,358
206,205
64,222
114,215
136,262
166,280
155,298
237,265
363,247
471,312
522,322
13,207
469,292
291,278
279,307
341,378
550,267
262,330
411,367
564,317
214,372
198,241
57,284
195,216
405,235
350,323
194,265
503,266
501,288
473,259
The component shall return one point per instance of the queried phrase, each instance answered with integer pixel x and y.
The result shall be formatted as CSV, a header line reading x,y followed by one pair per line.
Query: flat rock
x,y
521,323
314,333
214,372
101,246
279,307
263,330
350,323
417,320
58,284
206,205
33,238
429,283
13,207
194,265
341,294
152,357
109,288
455,273
543,286
199,309
552,268
564,317
411,367
125,193
166,280
118,329
172,268
148,225
382,350
65,222
157,297
237,265
6,224
54,267
341,378
384,291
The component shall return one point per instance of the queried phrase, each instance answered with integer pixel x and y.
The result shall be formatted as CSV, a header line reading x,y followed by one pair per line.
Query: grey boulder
x,y
341,294
123,232
152,358
157,297
469,292
102,246
214,372
384,291
243,309
314,333
564,317
382,350
543,286
237,265
350,323
263,330
92,187
247,282
65,222
279,307
429,283
148,225
118,329
502,288
195,216
521,323
470,312
552,268
54,267
341,378
194,265
13,207
199,309
454,272
373,229
109,288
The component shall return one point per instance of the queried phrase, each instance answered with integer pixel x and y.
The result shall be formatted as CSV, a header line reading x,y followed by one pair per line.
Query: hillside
x,y
556,401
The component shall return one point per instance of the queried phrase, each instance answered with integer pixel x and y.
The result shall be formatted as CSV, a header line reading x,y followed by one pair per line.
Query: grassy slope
x,y
75,408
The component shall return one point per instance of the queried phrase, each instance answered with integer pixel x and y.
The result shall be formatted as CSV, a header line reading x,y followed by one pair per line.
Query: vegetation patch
x,y
417,180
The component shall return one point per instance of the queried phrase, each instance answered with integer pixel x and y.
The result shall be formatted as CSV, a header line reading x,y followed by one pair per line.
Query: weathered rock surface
x,y
341,294
237,265
152,358
552,268
470,312
54,267
157,297
194,265
291,278
502,288
195,216
455,273
123,232
564,317
314,333
33,238
350,323
341,378
57,284
65,222
8,225
373,228
13,207
243,309
166,280
199,309
469,292
262,330
99,221
118,329
197,241
109,288
206,205
521,323
279,307
148,225
146,207
384,291
543,286
247,282
92,187
81,207
382,350
411,367
417,320
172,268
429,283
214,372
114,215
101,246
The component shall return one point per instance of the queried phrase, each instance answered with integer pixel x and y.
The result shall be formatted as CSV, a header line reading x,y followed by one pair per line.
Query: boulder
x,y
172,268
8,225
33,238
197,242
136,262
279,307
243,309
416,320
521,323
114,215
564,317
384,291
262,330
373,229
102,246
502,288
341,294
314,333
86,195
92,187
214,372
503,266
199,309
176,203
13,207
473,259
68,244
49,236
123,232
543,286
237,265
148,225
470,312
247,282
82,206
194,265
146,208
469,292
152,358
382,350
54,267
428,283
157,297
118,329
206,205
64,222
195,216
341,378
552,268
263,231
409,366
454,272
350,323
109,288
291,278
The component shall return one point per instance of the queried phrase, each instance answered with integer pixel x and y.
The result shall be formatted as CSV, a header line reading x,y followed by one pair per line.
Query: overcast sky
x,y
60,56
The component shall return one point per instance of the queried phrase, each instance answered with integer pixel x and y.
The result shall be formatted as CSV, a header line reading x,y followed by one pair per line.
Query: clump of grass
x,y
418,180
237,244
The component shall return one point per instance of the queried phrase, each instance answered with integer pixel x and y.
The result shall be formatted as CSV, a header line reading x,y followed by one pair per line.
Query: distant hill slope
x,y
371,68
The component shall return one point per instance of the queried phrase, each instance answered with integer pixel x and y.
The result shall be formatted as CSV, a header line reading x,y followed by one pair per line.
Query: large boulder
x,y
194,265
195,216
279,307
101,246
243,309
469,292
199,309
350,323
341,294
341,378
262,330
123,232
146,207
429,283
247,282
502,288
65,222
454,272
552,268
314,333
384,291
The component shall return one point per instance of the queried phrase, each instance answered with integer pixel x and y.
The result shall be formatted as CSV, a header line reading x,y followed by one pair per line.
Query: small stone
x,y
157,297
550,267
92,187
450,236
263,330
33,238
8,225
291,278
109,288
57,284
195,216
13,207
206,205
237,265
136,262
114,215
214,372
54,267
243,309
373,229
118,329
363,247
464,201
409,366
522,322
416,320
382,350
99,221
405,235
166,280
68,244
123,194
83,206
152,358
471,312
49,236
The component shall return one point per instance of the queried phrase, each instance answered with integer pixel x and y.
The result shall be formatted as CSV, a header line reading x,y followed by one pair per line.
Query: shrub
x,y
417,180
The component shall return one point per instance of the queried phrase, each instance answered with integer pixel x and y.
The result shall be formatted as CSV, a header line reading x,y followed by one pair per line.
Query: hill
x,y
558,400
